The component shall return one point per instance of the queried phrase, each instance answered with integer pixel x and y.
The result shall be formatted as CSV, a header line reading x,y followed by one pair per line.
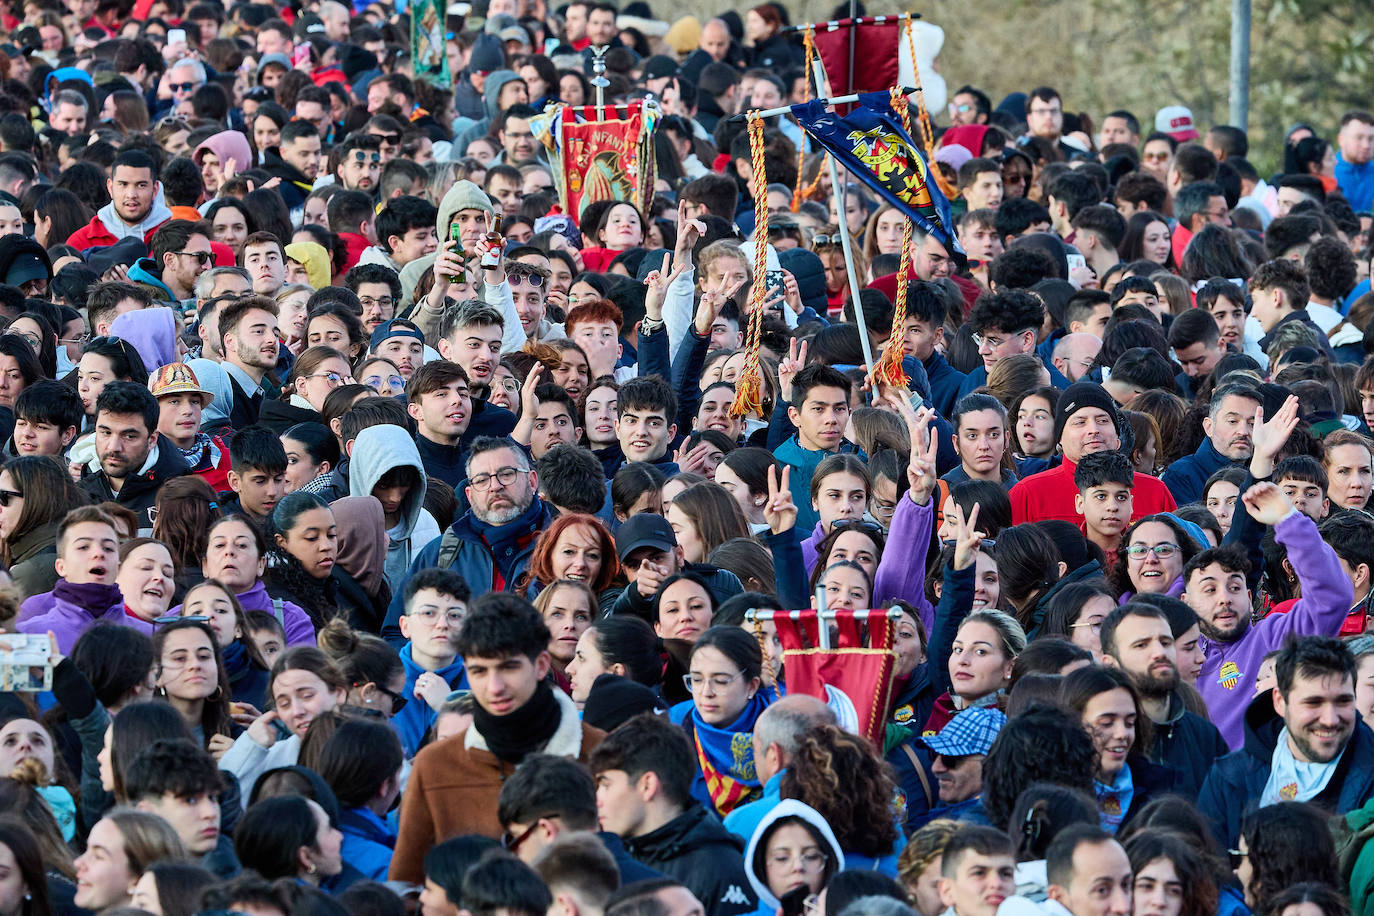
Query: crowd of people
x,y
395,537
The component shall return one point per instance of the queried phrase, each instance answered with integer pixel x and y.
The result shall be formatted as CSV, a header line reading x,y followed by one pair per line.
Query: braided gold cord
x,y
889,367
799,193
922,115
749,385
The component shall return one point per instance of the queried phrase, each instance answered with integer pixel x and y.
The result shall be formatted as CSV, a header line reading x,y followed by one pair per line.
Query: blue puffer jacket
x,y
1186,477
489,558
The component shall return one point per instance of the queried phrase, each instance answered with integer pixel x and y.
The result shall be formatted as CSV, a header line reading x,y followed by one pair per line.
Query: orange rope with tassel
x,y
889,367
749,385
923,116
799,193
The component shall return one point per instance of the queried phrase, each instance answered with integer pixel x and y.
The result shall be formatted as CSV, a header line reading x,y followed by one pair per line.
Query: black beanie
x,y
1078,396
612,700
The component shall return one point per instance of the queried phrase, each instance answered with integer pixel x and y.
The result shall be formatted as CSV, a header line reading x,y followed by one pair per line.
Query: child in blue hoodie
x,y
436,601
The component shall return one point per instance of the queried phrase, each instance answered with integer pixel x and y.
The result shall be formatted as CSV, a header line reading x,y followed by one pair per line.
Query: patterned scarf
x,y
726,756
197,449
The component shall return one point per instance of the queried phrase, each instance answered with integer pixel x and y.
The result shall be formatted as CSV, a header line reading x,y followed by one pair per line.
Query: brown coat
x,y
454,785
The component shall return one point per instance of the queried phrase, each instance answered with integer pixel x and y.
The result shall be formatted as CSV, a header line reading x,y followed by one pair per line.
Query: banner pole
x,y
842,214
838,100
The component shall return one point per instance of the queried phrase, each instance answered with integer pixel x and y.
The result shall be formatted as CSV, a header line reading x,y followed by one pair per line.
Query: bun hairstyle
x,y
361,658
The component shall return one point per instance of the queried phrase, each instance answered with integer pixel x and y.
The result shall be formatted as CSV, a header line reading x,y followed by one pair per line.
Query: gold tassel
x,y
749,385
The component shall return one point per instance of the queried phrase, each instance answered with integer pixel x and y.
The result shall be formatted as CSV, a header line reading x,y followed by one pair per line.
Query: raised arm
x,y
956,596
1327,594
902,569
789,572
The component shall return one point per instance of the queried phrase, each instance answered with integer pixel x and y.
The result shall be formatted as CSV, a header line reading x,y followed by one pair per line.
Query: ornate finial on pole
x,y
599,79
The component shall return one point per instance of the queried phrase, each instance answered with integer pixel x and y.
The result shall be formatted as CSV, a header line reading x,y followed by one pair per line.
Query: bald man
x,y
715,39
777,735
1074,354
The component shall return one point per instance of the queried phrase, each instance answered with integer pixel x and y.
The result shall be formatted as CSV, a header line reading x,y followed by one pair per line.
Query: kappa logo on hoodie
x,y
735,895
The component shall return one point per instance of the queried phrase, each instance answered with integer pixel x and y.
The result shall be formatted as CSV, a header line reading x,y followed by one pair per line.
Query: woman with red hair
x,y
575,547
769,46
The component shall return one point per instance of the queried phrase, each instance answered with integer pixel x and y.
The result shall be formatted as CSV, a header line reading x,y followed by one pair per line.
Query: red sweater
x,y
1049,495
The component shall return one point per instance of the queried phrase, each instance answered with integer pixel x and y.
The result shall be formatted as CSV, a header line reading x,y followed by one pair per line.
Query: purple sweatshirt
x,y
296,622
44,612
902,567
1227,681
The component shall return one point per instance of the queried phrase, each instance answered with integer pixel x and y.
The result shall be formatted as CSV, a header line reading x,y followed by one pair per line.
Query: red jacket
x,y
356,243
94,234
1049,495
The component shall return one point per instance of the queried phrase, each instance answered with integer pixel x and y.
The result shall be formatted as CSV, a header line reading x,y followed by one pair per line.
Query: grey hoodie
x,y
376,451
491,92
789,807
464,195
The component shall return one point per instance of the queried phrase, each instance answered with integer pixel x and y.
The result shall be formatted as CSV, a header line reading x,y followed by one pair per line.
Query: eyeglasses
x,y
202,257
994,342
510,842
696,682
509,384
29,338
811,859
334,378
181,87
431,616
362,158
391,381
505,477
385,302
533,281
79,339
1094,625
1163,551
7,495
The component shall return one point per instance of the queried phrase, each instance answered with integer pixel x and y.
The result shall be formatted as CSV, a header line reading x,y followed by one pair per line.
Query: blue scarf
x,y
726,756
1291,779
236,661
1115,800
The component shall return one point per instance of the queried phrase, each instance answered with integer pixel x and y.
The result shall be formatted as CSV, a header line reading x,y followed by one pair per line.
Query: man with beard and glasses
x,y
1137,639
1215,588
490,544
1304,742
1230,428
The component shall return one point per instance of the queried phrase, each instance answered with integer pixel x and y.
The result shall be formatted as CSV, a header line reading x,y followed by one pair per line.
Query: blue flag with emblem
x,y
871,142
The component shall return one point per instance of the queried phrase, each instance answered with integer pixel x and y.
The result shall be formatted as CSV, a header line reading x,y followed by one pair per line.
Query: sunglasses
x,y
360,157
859,524
388,139
511,842
181,87
202,257
7,495
825,241
533,281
